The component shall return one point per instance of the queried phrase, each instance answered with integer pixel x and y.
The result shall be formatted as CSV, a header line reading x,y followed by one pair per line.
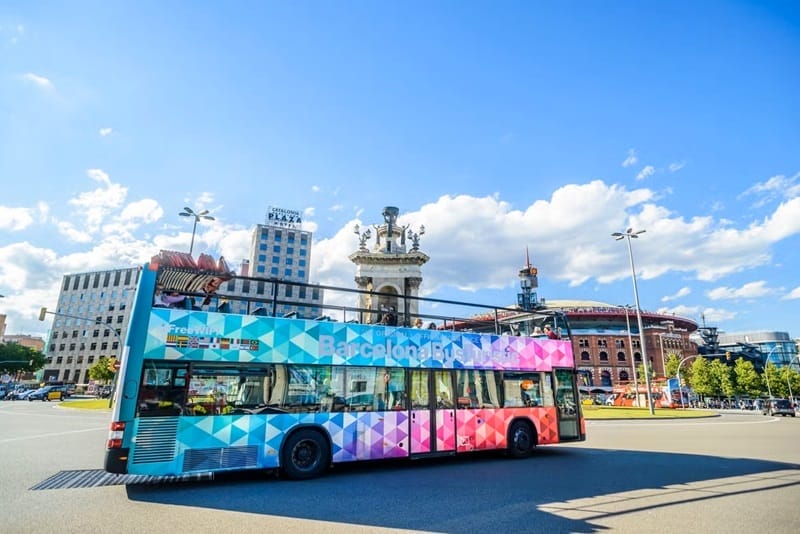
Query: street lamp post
x,y
630,234
766,364
188,212
633,360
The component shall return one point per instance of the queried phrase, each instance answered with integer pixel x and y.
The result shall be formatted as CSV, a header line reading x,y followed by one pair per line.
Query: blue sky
x,y
499,126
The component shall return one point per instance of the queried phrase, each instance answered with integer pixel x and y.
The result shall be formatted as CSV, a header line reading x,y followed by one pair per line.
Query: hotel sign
x,y
284,218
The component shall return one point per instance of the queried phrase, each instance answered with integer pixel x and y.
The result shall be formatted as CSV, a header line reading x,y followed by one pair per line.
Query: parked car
x,y
47,393
778,407
17,393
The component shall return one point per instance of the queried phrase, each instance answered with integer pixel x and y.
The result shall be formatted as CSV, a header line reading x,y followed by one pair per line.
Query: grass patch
x,y
87,404
625,412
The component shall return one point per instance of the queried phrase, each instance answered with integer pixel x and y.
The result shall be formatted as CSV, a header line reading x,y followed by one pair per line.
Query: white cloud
x,y
142,211
647,171
747,291
631,159
793,294
336,207
94,206
675,167
105,131
682,292
15,219
777,187
315,189
41,81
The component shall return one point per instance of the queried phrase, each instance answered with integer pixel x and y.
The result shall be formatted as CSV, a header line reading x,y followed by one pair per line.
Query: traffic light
x,y
112,365
728,355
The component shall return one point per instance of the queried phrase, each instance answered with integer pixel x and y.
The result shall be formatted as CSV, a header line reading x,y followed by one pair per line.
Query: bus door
x,y
567,404
433,417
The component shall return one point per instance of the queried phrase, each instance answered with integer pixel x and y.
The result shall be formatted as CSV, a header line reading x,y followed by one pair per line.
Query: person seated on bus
x,y
166,299
549,332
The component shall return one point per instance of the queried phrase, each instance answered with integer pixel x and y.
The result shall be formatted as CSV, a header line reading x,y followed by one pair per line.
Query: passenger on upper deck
x,y
549,332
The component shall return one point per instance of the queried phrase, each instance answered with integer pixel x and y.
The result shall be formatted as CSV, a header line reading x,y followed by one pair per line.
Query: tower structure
x,y
391,268
527,299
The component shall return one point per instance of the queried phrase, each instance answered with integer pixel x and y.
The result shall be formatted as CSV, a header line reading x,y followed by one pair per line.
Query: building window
x,y
603,356
301,292
303,240
274,271
605,379
619,344
301,274
72,346
585,356
620,356
262,246
262,257
61,347
290,250
583,343
301,263
276,248
637,357
623,376
278,236
288,291
287,272
261,269
93,346
276,259
289,261
264,233
302,252
602,343
290,237
104,345
245,286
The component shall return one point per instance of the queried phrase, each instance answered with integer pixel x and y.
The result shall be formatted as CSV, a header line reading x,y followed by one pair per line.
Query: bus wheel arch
x,y
522,438
305,453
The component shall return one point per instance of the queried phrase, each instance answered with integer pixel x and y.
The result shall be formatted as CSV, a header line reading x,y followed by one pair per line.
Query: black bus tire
x,y
521,439
306,454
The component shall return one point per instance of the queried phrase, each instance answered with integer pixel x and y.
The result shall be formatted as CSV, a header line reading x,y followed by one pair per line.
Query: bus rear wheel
x,y
305,454
521,440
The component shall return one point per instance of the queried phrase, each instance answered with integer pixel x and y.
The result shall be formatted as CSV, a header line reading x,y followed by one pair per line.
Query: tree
x,y
772,379
671,365
724,378
16,358
703,381
101,370
747,380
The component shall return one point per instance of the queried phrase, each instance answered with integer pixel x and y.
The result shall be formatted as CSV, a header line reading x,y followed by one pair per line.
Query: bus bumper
x,y
117,461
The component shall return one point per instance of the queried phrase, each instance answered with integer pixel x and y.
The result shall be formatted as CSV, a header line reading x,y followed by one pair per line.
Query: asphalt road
x,y
733,473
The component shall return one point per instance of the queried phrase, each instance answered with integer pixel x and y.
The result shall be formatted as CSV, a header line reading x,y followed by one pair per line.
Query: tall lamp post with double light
x,y
118,364
188,212
633,360
630,234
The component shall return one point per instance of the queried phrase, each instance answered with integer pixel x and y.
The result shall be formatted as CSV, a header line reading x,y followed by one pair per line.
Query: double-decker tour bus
x,y
227,384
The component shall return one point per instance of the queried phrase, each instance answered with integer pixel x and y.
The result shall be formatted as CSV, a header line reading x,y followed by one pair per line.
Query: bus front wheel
x,y
305,454
521,440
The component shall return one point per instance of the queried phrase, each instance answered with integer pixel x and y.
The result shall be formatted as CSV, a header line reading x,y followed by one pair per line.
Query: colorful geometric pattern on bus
x,y
176,334
445,430
354,436
483,429
420,431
